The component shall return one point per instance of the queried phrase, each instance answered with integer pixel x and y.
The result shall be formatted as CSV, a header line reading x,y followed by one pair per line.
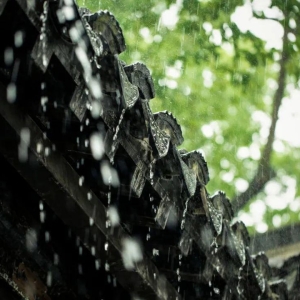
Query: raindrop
x,y
113,216
49,278
89,195
97,264
106,246
31,240
91,221
11,92
96,110
39,147
8,56
155,252
80,269
24,144
97,145
47,151
19,38
131,253
56,259
44,100
47,236
107,267
42,216
81,180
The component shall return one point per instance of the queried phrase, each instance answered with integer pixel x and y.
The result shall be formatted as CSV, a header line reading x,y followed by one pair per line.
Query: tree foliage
x,y
225,85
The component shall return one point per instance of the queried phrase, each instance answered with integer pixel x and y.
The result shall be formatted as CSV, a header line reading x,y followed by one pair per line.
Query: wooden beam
x,y
278,244
57,182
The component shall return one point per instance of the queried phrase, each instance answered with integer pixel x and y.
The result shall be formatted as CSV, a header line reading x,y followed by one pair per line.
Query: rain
x,y
149,150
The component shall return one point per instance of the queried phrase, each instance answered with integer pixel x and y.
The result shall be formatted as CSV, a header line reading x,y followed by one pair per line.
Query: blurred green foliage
x,y
213,77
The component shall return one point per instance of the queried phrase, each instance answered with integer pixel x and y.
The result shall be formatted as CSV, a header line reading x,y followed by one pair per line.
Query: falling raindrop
x,y
80,269
31,240
11,92
107,267
97,145
184,213
49,278
56,259
47,151
47,236
42,216
131,253
106,246
19,38
24,144
44,17
113,215
155,252
97,264
151,166
81,180
39,147
8,56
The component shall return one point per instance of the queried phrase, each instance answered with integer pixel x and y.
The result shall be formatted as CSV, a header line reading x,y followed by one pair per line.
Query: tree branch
x,y
264,171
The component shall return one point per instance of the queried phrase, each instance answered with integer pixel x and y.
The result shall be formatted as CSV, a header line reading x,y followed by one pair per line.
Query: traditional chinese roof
x,y
97,201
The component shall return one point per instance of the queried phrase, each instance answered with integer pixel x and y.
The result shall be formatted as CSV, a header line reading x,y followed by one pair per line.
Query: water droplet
x,y
8,56
49,278
11,92
81,180
89,195
80,269
19,38
42,216
97,264
107,267
47,236
56,259
41,205
106,246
